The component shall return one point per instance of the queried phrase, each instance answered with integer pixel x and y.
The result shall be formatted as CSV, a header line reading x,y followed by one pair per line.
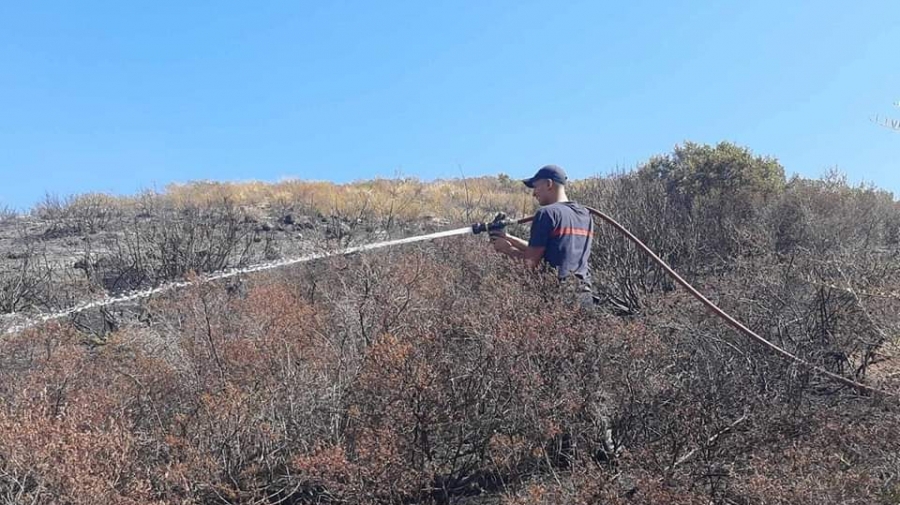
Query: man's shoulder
x,y
551,211
563,208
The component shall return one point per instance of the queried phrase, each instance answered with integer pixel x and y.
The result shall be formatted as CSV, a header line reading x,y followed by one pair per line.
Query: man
x,y
561,233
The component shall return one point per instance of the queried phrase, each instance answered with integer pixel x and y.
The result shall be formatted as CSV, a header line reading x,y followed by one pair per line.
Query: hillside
x,y
439,372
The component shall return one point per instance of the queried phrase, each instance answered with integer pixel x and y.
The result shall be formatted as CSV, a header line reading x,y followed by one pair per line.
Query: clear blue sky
x,y
120,96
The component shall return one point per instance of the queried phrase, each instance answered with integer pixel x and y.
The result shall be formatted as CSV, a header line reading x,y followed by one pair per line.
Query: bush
x,y
78,215
175,241
427,373
419,375
719,190
27,282
6,214
829,215
726,174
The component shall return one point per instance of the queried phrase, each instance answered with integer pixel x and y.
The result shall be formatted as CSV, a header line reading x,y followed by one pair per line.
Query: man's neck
x,y
560,198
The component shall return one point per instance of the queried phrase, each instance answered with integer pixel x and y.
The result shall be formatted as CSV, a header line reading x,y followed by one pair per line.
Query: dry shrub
x,y
27,282
83,214
829,215
238,397
174,241
426,373
7,214
407,376
65,434
840,453
448,391
420,375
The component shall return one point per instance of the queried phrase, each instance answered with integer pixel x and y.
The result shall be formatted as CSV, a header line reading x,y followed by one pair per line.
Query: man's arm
x,y
516,242
532,251
514,247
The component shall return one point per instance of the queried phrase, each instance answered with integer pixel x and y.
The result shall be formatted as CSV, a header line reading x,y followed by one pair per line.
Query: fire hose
x,y
501,222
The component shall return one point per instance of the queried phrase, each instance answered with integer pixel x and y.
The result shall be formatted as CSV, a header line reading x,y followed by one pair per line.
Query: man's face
x,y
543,191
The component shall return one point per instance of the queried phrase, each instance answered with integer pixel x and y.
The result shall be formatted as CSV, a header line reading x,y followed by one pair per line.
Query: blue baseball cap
x,y
551,172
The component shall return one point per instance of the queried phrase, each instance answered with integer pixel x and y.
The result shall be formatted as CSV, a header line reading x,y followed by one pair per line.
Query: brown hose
x,y
861,388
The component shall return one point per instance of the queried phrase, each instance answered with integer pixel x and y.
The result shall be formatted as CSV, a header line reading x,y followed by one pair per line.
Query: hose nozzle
x,y
500,222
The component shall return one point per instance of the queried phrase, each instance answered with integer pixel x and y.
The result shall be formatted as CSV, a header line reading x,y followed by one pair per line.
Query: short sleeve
x,y
541,228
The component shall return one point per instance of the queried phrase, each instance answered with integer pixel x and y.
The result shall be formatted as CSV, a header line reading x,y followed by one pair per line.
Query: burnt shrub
x,y
427,373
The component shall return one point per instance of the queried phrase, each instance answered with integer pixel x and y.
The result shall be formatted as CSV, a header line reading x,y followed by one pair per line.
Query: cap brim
x,y
529,182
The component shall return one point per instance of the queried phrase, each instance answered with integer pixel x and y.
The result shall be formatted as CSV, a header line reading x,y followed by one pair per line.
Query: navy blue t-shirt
x,y
566,230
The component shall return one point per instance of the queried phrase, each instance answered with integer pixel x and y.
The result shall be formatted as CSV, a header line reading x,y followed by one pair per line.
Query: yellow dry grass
x,y
401,199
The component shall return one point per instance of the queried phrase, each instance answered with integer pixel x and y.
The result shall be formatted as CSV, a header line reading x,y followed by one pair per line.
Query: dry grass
x,y
382,200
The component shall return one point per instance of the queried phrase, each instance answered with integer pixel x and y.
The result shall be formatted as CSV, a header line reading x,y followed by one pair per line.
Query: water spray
x,y
500,222
39,319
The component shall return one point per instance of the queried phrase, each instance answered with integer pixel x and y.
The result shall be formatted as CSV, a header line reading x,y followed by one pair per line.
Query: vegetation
x,y
6,213
441,373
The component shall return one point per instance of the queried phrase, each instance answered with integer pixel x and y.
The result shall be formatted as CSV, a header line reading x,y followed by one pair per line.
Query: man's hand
x,y
502,244
500,241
